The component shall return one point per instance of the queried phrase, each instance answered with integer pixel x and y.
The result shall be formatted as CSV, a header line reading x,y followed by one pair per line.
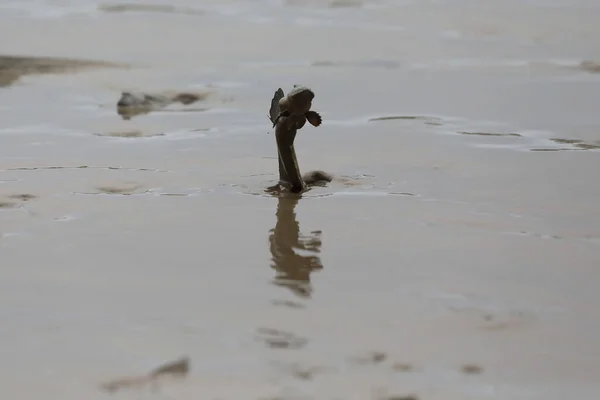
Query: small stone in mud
x,y
471,369
23,197
402,367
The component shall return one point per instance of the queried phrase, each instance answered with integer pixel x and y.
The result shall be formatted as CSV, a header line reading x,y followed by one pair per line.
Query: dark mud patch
x,y
374,357
402,367
490,134
174,194
148,8
345,3
277,339
471,369
304,373
402,194
7,78
405,117
44,168
538,149
327,63
382,394
593,67
14,67
120,190
175,369
566,141
573,145
190,98
178,367
132,104
129,134
287,303
23,197
577,144
7,204
400,397
587,146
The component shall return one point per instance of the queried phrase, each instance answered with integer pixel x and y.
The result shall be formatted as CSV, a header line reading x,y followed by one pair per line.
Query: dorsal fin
x,y
275,110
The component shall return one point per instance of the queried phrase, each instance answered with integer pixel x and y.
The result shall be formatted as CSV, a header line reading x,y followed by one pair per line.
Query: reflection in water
x,y
294,256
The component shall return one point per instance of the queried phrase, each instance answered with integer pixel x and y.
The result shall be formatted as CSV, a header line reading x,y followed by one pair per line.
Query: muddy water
x,y
454,256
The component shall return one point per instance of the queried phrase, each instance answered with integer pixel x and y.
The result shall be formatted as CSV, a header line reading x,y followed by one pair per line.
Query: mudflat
x,y
454,255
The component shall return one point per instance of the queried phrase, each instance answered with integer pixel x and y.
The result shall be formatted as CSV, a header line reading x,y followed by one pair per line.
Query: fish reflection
x,y
294,256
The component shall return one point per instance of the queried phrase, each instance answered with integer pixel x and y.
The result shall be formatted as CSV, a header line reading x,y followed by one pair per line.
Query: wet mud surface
x,y
453,255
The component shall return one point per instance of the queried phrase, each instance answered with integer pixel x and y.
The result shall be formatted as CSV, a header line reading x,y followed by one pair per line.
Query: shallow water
x,y
453,256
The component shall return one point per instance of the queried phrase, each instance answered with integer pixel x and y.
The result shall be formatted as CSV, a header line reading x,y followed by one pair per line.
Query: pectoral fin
x,y
281,114
314,118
